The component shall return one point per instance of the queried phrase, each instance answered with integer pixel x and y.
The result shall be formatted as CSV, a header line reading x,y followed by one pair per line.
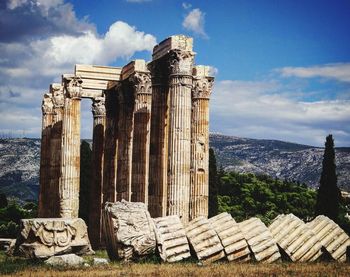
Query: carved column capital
x,y
142,82
98,107
73,87
47,104
202,87
57,96
181,62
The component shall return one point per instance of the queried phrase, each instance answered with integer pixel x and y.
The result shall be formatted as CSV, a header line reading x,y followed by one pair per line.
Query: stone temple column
x,y
47,120
70,167
158,175
110,146
126,103
199,193
55,148
180,86
96,197
141,81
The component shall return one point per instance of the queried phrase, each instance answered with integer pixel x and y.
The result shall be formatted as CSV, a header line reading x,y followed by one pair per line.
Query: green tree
x,y
3,200
328,194
85,179
213,184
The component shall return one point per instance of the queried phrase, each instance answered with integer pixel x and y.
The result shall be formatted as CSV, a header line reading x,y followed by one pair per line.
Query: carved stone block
x,y
204,240
171,238
295,238
128,230
235,245
331,236
260,240
46,237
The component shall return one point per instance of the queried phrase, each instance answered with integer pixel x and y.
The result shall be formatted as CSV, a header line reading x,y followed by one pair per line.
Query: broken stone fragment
x,y
128,230
46,237
65,260
172,243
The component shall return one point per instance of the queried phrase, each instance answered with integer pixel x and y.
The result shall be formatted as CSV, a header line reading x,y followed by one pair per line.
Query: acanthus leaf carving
x,y
74,87
181,62
47,104
142,82
98,106
57,96
202,87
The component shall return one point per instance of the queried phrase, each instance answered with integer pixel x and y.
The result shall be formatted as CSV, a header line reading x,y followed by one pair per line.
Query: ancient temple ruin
x,y
150,136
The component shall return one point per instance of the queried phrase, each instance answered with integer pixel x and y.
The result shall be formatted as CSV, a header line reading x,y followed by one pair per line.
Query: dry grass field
x,y
21,267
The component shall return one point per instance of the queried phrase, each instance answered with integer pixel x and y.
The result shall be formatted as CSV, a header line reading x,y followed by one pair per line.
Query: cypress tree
x,y
213,184
85,179
328,194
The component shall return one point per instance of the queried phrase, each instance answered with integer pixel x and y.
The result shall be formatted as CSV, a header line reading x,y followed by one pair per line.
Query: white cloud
x,y
263,110
213,71
336,71
194,22
186,6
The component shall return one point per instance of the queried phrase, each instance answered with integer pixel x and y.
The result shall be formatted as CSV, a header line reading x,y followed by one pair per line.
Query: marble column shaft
x,y
180,86
96,197
110,147
141,139
47,121
199,192
158,177
70,166
126,100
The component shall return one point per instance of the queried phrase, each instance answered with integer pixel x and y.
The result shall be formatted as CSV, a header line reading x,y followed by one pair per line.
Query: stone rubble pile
x,y
131,233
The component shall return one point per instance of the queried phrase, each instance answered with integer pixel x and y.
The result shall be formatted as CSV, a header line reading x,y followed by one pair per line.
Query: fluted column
x,y
126,100
70,167
47,120
199,193
158,177
141,139
96,198
110,146
56,149
180,86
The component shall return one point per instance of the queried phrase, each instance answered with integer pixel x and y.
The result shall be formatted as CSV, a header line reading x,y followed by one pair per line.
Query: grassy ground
x,y
10,266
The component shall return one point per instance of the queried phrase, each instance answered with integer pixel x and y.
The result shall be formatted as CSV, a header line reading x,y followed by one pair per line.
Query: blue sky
x,y
282,67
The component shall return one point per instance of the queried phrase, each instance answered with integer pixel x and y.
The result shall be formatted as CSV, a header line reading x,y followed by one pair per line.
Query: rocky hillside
x,y
20,158
279,159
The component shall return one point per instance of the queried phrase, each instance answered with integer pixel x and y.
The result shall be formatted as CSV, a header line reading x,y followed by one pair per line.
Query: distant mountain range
x,y
20,160
279,159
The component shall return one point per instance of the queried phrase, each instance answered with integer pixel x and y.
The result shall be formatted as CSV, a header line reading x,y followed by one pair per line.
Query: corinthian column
x,y
95,212
110,146
56,91
158,177
141,139
202,86
70,167
180,86
47,118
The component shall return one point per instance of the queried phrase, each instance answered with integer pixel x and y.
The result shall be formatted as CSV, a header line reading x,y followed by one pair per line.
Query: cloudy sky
x,y
282,67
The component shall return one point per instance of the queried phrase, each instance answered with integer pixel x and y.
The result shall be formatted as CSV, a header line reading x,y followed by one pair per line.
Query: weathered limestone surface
x,y
141,80
129,230
65,260
180,86
126,99
47,121
231,237
295,238
95,207
55,150
46,237
331,236
199,191
171,239
70,161
110,146
157,189
204,240
260,240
